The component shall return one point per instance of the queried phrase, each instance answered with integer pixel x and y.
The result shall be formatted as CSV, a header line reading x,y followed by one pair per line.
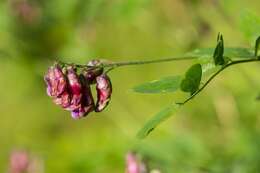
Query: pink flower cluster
x,y
19,162
23,162
72,91
134,164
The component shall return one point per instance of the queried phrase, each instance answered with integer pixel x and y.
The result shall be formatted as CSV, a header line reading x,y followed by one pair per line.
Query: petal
x,y
55,81
63,100
104,91
75,88
78,113
74,83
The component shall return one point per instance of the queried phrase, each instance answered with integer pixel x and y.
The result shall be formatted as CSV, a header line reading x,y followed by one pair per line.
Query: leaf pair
x,y
189,83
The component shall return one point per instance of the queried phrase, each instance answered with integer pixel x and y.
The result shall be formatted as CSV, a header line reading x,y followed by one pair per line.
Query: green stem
x,y
142,62
113,65
215,74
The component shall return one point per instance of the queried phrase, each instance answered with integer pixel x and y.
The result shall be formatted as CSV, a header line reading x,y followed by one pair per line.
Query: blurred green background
x,y
219,131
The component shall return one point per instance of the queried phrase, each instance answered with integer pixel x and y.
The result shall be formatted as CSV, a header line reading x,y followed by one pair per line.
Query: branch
x,y
215,74
142,62
113,65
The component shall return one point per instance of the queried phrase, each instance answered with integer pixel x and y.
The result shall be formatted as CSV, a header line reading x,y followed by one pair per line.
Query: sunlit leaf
x,y
232,52
236,52
192,79
209,68
158,118
167,84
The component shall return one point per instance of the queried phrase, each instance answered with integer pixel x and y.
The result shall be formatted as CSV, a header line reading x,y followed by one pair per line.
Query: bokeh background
x,y
219,131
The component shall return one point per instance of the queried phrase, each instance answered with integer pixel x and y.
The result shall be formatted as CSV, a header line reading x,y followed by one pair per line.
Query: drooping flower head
x,y
71,90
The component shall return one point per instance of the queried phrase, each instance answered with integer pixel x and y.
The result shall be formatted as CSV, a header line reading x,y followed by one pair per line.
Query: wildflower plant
x,y
69,84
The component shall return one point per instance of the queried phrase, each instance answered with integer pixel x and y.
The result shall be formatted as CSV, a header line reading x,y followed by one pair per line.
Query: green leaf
x,y
257,44
236,52
219,51
209,68
192,79
161,116
167,84
232,52
250,25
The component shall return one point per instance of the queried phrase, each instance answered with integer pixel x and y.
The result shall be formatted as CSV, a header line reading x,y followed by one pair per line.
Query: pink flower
x,y
19,162
23,162
134,165
63,100
55,80
74,88
72,91
104,91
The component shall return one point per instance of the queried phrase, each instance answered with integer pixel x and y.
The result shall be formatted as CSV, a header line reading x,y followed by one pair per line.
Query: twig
x,y
113,65
215,74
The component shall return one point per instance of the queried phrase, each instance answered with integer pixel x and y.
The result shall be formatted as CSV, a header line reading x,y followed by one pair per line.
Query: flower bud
x,y
55,80
104,91
92,73
94,63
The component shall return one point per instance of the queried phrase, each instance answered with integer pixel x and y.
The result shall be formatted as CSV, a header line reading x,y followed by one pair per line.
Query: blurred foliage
x,y
218,132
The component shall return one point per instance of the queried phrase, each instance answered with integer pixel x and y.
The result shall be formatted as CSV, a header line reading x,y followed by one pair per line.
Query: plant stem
x,y
215,74
142,62
114,65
